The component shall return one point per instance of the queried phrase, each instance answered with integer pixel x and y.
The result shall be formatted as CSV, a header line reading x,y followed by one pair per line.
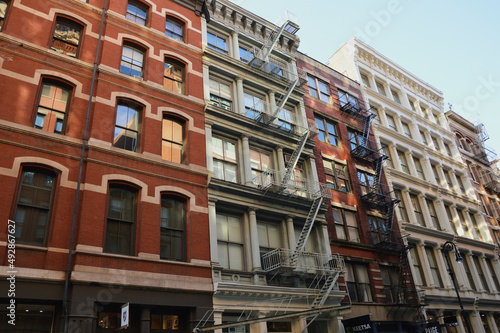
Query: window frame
x,y
218,36
480,273
378,228
380,87
182,231
406,129
366,181
317,89
355,284
217,99
258,169
176,65
417,266
258,105
390,281
346,98
175,22
229,241
334,177
365,79
224,160
431,207
172,141
417,209
138,5
31,224
401,206
343,225
69,23
134,192
135,48
4,18
418,167
402,158
324,130
139,109
433,266
391,122
395,96
63,86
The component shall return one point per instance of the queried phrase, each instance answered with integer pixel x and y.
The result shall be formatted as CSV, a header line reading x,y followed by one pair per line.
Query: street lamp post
x,y
447,248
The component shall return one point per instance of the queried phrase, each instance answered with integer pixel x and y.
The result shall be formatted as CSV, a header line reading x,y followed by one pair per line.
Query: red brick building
x,y
122,82
361,215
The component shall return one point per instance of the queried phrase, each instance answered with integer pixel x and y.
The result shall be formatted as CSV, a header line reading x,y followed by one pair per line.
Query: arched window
x,y
33,210
66,38
4,6
174,28
53,105
172,228
172,144
121,220
132,62
127,126
173,76
137,12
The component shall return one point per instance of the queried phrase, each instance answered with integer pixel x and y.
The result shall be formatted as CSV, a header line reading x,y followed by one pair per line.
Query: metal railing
x,y
296,186
307,261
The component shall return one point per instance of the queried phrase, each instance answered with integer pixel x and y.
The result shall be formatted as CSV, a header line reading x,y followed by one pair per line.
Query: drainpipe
x,y
80,171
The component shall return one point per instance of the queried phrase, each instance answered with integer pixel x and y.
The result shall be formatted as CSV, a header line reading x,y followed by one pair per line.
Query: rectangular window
x,y
327,131
230,242
391,122
406,129
127,126
172,235
260,163
418,270
53,106
447,208
417,209
390,280
364,79
173,76
475,226
418,167
494,278
220,94
358,282
217,42
378,229
172,143
337,177
366,182
137,12
132,61
447,177
424,139
468,273
224,157
318,89
433,213
33,208
447,149
254,105
435,143
435,173
403,162
269,237
385,151
66,37
480,272
380,87
346,225
429,251
460,184
286,120
395,96
348,99
174,28
120,226
246,54
4,5
412,105
483,205
355,138
401,205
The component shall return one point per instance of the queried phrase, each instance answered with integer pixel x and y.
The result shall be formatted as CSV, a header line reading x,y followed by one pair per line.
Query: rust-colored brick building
x,y
121,81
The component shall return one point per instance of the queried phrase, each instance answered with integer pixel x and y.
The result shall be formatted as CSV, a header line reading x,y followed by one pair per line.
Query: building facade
x,y
269,241
361,214
103,170
437,201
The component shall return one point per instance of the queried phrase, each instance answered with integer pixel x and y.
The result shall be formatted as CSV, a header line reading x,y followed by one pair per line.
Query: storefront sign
x,y
125,316
432,327
361,324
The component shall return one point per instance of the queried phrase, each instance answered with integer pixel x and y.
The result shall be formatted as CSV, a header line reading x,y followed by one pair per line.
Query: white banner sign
x,y
125,316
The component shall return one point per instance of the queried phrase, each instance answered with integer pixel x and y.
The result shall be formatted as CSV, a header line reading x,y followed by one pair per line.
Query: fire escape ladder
x,y
366,129
281,103
327,287
272,40
294,158
379,162
306,229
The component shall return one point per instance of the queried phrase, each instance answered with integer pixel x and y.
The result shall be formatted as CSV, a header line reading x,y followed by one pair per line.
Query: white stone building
x,y
438,202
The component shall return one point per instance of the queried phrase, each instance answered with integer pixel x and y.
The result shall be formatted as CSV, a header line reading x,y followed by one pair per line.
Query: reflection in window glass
x,y
172,148
132,61
126,135
66,38
174,28
173,76
52,108
137,12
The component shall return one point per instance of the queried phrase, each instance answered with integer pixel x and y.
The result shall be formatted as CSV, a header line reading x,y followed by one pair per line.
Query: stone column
x,y
236,45
441,176
218,319
472,232
411,164
476,322
473,271
394,152
461,323
291,232
212,220
145,320
314,173
426,215
240,96
457,220
444,223
491,323
208,143
418,108
454,181
483,228
206,82
382,116
409,208
399,126
247,166
254,239
427,169
486,272
427,138
281,164
443,268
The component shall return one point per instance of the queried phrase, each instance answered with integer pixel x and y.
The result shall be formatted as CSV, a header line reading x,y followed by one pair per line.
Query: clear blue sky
x,y
452,45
